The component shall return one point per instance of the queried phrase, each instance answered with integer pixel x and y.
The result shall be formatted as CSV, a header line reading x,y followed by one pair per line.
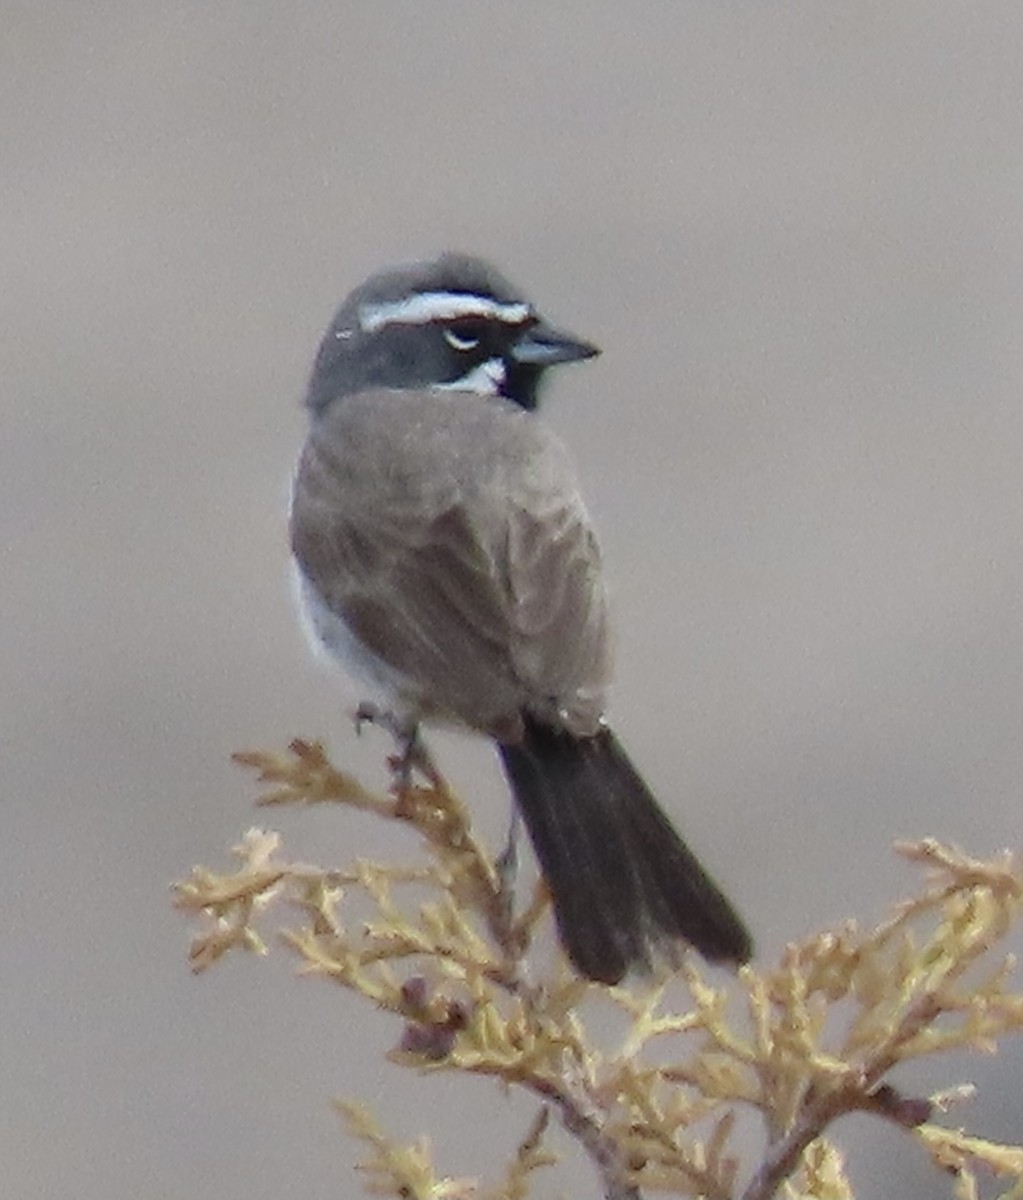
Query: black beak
x,y
541,345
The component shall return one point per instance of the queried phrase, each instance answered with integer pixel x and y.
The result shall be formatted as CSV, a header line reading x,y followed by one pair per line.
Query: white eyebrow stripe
x,y
438,306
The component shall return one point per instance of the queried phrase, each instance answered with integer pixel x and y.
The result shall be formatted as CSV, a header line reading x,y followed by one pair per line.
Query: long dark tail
x,y
623,883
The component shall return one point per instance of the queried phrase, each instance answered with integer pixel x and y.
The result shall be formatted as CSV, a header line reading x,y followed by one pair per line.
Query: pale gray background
x,y
796,231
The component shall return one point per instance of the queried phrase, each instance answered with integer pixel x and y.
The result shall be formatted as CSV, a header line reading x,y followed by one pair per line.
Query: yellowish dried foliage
x,y
801,1043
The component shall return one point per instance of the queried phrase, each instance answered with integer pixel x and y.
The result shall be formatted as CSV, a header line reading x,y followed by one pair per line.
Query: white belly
x,y
368,677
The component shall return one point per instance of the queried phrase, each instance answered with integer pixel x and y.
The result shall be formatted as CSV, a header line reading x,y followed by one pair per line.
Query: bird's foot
x,y
413,754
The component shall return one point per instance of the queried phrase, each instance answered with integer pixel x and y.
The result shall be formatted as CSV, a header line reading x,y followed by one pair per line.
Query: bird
x,y
445,558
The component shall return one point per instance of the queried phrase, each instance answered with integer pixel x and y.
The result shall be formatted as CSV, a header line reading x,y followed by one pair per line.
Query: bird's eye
x,y
461,341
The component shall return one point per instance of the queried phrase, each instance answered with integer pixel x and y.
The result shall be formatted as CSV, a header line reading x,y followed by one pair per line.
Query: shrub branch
x,y
801,1043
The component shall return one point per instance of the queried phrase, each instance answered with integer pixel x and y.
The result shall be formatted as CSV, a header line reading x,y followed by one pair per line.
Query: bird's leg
x,y
506,866
413,754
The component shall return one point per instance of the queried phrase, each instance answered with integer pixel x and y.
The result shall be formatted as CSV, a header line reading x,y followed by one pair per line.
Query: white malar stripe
x,y
438,306
485,379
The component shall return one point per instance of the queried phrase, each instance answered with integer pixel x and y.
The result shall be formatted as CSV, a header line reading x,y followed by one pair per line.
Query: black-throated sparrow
x,y
445,555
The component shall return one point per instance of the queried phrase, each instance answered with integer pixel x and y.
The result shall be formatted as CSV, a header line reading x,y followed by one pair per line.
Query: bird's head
x,y
454,323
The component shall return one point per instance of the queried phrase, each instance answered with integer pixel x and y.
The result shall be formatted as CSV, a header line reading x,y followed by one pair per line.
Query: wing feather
x,y
458,554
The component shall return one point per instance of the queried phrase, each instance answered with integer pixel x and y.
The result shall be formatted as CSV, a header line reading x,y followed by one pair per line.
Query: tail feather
x,y
625,887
